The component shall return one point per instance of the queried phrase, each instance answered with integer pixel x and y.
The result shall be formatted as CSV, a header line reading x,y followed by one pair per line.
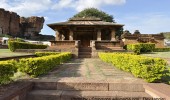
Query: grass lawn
x,y
8,53
164,55
158,54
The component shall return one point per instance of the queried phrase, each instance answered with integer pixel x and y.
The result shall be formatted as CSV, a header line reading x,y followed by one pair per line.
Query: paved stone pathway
x,y
89,69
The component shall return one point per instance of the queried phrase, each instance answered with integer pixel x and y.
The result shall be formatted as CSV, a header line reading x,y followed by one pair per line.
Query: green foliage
x,y
7,70
5,35
19,40
147,68
40,54
41,65
161,49
141,47
93,12
13,45
166,35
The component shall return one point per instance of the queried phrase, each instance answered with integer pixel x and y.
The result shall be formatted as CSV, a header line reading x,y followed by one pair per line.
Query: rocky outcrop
x,y
31,26
14,25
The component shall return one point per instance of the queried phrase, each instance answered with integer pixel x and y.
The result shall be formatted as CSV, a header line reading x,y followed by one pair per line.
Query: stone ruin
x,y
137,37
14,25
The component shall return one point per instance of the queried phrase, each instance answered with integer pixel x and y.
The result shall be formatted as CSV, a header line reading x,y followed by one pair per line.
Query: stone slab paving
x,y
89,69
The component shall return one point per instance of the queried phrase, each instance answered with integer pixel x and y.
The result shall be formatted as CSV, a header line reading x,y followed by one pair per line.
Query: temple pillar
x,y
57,35
99,35
71,35
113,33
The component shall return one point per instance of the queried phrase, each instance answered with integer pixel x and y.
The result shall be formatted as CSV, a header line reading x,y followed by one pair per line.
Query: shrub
x,y
40,54
149,69
161,49
141,47
7,70
41,65
13,45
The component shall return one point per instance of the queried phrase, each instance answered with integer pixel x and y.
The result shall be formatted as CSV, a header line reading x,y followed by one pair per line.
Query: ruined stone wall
x,y
159,43
12,24
158,39
129,41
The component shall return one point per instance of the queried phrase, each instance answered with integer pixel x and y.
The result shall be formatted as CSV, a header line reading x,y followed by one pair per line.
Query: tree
x,y
166,35
93,12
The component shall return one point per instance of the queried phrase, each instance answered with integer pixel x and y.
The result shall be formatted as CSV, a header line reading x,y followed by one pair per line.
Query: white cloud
x,y
30,7
26,7
82,4
147,23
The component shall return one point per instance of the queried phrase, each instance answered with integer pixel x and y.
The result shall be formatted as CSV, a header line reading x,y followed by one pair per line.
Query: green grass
x,y
164,55
158,54
8,53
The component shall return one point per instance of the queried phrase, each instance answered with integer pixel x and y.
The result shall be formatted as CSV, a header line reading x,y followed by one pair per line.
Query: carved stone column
x,y
57,35
113,33
71,35
98,35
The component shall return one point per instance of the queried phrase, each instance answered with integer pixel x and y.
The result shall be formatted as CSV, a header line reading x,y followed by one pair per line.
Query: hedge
x,y
40,65
40,54
161,49
13,45
7,70
147,68
141,47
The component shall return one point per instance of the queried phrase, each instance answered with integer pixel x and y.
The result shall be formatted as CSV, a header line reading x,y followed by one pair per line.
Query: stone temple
x,y
85,37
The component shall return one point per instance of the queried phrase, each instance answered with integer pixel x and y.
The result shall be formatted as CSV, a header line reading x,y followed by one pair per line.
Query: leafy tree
x,y
166,35
93,12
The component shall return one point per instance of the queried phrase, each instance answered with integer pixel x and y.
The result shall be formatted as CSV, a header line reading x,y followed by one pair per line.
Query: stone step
x,y
84,95
84,56
84,53
110,48
87,49
89,86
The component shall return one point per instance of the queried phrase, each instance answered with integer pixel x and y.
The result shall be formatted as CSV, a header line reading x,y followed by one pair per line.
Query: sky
x,y
147,16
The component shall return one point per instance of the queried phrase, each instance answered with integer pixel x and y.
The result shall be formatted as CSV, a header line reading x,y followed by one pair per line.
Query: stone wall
x,y
158,39
14,25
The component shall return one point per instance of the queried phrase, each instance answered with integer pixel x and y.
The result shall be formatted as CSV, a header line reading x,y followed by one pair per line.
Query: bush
x,y
161,49
141,47
149,69
40,54
13,45
41,65
7,70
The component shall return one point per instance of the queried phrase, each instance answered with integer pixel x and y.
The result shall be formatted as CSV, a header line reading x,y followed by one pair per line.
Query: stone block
x,y
82,86
131,87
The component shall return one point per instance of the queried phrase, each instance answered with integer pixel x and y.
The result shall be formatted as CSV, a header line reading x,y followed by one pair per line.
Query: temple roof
x,y
84,22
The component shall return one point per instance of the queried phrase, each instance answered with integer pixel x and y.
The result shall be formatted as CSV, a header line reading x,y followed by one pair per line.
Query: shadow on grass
x,y
166,78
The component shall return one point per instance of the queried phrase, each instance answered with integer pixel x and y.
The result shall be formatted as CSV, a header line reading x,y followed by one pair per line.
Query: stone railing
x,y
66,46
105,44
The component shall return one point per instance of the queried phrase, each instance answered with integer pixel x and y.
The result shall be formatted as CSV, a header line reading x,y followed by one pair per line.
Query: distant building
x,y
167,42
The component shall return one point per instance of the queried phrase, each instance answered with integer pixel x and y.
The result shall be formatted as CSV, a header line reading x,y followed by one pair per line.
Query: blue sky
x,y
147,16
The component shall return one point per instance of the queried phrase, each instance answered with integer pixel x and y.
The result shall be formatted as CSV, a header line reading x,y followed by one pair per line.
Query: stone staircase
x,y
48,89
84,52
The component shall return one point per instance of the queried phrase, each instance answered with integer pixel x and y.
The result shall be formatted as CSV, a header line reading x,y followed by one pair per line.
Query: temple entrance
x,y
85,39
